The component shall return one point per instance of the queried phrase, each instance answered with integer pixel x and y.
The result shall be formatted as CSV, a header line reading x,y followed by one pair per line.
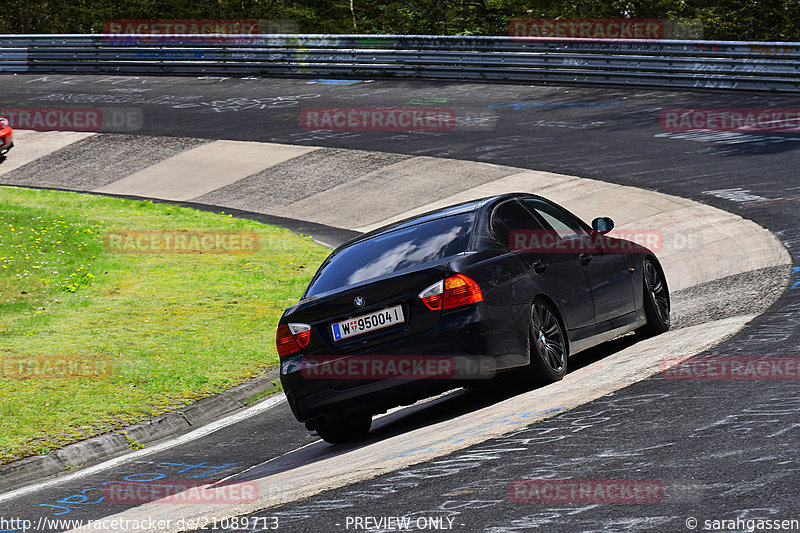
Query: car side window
x,y
562,222
510,217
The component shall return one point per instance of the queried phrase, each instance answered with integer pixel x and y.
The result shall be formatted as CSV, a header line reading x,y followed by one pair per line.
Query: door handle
x,y
585,259
539,266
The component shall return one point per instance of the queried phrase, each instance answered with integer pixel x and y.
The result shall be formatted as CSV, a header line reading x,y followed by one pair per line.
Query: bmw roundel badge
x,y
359,301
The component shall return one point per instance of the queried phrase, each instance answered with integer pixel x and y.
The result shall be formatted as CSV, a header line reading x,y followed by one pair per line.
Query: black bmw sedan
x,y
511,283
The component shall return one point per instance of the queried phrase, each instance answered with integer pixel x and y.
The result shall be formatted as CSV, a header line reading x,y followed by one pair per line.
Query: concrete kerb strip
x,y
96,449
396,189
204,169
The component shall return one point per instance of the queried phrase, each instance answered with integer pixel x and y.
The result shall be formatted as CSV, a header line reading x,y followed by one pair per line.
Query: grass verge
x,y
93,339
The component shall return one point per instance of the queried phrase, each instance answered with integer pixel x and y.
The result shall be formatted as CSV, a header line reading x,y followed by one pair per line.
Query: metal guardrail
x,y
756,66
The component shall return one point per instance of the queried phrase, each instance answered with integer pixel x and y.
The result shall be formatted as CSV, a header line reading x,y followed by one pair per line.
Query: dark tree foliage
x,y
758,20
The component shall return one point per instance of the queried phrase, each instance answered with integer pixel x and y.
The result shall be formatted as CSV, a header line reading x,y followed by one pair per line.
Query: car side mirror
x,y
602,225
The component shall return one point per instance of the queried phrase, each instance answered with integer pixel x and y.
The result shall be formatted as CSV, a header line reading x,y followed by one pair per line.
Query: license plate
x,y
384,318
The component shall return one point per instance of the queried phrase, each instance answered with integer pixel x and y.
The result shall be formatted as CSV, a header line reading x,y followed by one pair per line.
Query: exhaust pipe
x,y
313,423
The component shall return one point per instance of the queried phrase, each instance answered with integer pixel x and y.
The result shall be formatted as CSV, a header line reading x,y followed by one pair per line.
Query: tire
x,y
548,346
656,300
343,429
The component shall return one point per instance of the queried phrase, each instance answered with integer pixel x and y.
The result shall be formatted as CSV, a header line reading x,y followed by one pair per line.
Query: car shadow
x,y
428,412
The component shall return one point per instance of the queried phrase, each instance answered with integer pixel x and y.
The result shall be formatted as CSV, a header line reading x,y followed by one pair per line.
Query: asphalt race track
x,y
720,449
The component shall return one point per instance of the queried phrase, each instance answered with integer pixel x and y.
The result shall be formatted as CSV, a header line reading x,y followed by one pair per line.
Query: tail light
x,y
433,295
454,291
290,338
460,290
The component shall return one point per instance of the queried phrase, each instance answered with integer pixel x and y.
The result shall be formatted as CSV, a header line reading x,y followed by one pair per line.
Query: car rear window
x,y
395,251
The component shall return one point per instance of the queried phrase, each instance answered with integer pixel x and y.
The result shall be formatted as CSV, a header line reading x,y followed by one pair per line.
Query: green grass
x,y
155,331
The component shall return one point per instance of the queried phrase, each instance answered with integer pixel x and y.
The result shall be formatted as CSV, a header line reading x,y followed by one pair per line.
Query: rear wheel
x,y
656,300
548,346
345,428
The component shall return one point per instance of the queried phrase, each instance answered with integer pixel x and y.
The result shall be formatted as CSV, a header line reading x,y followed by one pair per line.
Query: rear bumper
x,y
480,340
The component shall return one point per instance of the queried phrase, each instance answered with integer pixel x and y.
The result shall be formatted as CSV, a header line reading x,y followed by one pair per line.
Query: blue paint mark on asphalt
x,y
335,82
74,501
796,284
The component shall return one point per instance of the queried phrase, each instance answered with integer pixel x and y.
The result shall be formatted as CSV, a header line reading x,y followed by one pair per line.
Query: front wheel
x,y
548,346
346,428
656,300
